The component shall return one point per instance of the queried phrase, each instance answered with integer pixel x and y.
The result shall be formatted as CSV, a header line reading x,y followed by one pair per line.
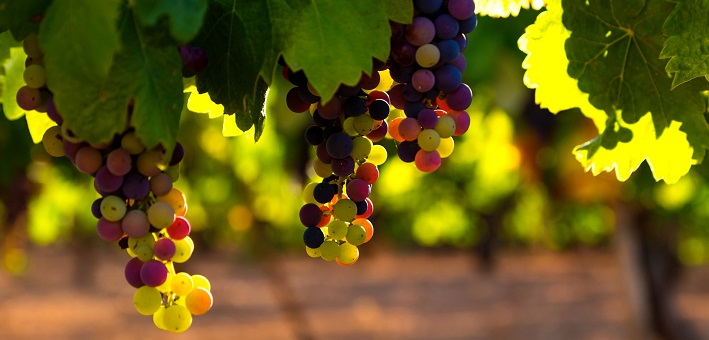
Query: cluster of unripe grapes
x,y
416,97
138,207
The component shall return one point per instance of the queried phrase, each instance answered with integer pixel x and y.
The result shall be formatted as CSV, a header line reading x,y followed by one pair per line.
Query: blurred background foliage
x,y
511,182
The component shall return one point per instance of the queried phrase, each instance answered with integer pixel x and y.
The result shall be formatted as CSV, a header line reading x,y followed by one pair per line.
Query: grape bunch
x,y
138,208
337,209
427,63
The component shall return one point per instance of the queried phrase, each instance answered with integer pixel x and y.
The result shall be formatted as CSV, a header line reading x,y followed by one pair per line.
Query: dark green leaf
x,y
614,52
687,31
185,16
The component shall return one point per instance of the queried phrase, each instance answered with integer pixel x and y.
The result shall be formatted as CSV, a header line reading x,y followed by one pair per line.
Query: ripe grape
x,y
164,249
153,273
348,254
147,300
28,98
182,284
183,250
199,301
313,237
356,234
179,229
160,184
135,224
52,141
108,230
161,215
119,162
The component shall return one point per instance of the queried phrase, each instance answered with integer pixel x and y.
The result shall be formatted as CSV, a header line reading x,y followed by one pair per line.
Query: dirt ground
x,y
386,295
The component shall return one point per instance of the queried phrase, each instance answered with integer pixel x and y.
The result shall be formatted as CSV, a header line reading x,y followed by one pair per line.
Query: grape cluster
x,y
337,209
138,206
427,63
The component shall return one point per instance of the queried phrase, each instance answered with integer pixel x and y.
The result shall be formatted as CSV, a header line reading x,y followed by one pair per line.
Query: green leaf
x,y
21,17
620,146
244,38
614,52
14,68
144,74
7,42
185,15
687,29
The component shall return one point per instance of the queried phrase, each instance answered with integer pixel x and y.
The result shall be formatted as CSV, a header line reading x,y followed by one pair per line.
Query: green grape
x,y
348,127
308,193
445,126
201,281
177,318
429,139
363,124
52,141
35,76
337,229
131,253
113,208
322,169
313,252
356,234
31,46
182,284
329,250
378,155
348,253
361,146
183,250
149,161
345,210
147,300
132,144
147,240
161,215
159,318
446,147
427,55
166,286
144,253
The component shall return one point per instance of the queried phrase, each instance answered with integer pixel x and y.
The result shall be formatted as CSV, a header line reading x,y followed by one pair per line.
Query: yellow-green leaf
x,y
505,8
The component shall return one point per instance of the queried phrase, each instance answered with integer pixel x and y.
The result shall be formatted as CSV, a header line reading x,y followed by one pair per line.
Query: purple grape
x,y
136,186
164,249
427,118
177,154
319,120
468,25
339,145
153,273
71,149
106,181
96,208
314,135
411,94
423,80
379,133
343,167
412,109
449,49
310,215
354,106
396,96
459,63
407,151
348,91
132,272
403,53
361,207
295,103
446,26
448,78
358,190
324,192
313,237
402,74
109,231
428,6
379,109
28,98
421,31
460,98
307,96
461,9
462,41
52,111
323,155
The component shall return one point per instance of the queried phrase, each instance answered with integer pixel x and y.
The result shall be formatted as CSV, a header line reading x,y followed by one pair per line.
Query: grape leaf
x,y
244,38
21,17
614,52
37,124
546,65
620,146
14,67
144,74
505,8
669,156
185,15
687,29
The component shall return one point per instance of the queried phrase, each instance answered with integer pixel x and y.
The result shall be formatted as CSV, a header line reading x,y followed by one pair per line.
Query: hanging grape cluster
x,y
422,81
139,209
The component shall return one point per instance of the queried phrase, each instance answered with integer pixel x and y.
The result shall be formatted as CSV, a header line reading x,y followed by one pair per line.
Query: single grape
x,y
35,76
345,166
322,169
429,139
348,254
379,133
446,26
53,142
148,162
368,172
378,155
201,281
199,301
119,162
449,50
161,215
361,146
329,250
345,210
323,192
160,184
460,98
106,181
176,199
313,252
423,80
109,231
427,161
407,151
179,229
339,145
448,78
132,144
337,229
88,160
310,215
153,273
147,300
113,208
445,126
177,318
445,149
314,135
409,129
461,9
295,103
462,122
31,46
332,109
182,284
367,225
421,31
356,234
183,250
363,124
358,190
132,272
135,186
164,249
313,237
428,55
